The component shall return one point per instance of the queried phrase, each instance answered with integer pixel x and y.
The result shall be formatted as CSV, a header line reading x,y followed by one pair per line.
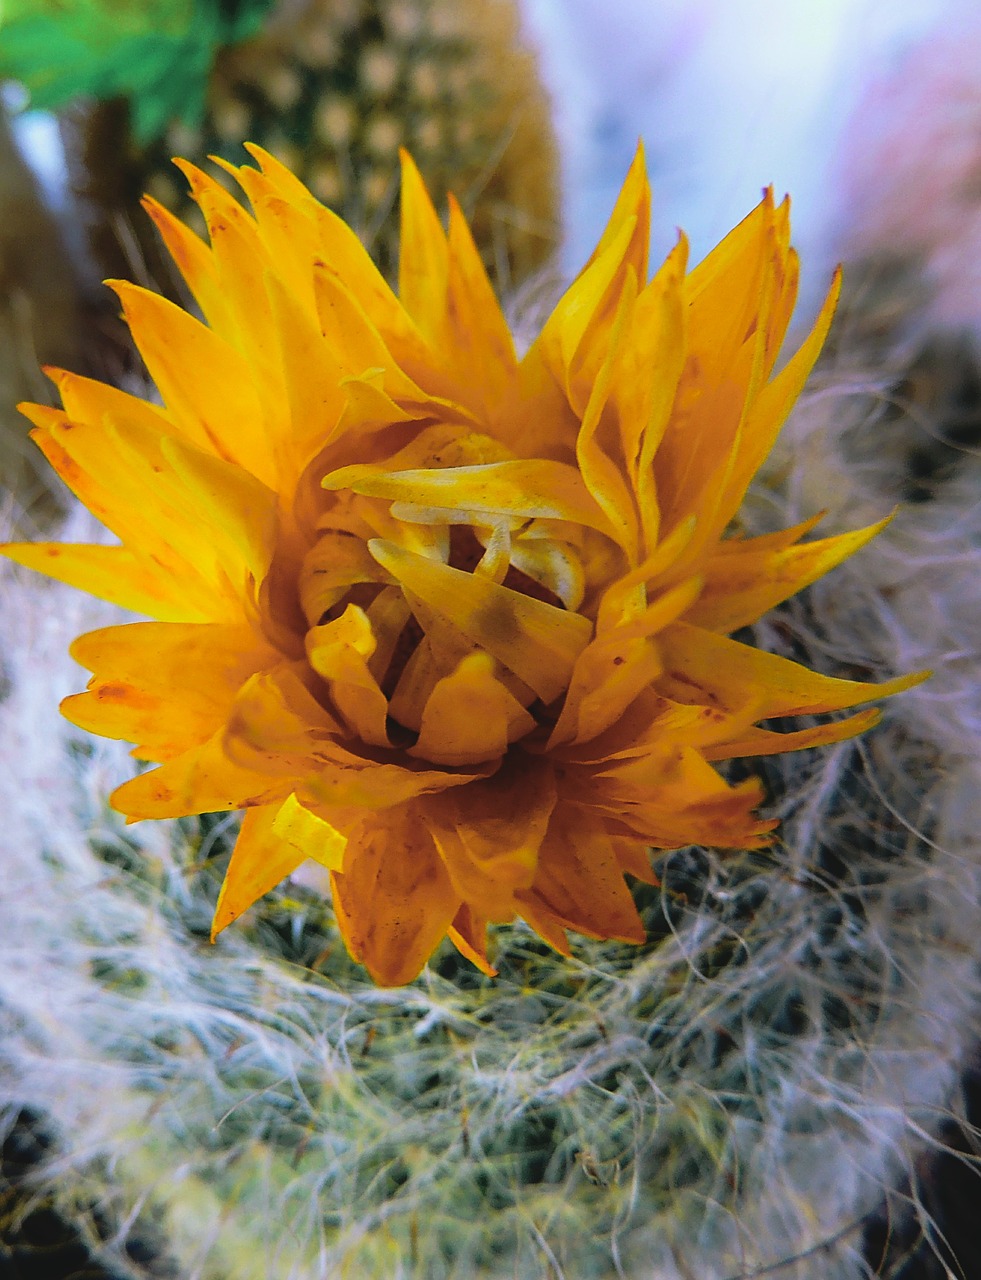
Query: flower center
x,y
416,595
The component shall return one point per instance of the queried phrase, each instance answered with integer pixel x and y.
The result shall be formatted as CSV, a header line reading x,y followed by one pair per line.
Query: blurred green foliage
x,y
157,53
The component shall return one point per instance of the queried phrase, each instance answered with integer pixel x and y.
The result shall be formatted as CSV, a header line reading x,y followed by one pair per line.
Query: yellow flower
x,y
451,622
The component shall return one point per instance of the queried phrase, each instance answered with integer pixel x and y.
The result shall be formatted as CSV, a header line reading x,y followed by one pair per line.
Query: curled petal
x,y
521,489
339,651
470,716
536,641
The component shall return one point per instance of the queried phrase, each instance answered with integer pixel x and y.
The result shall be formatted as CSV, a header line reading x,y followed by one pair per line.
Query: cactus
x,y
735,1095
334,88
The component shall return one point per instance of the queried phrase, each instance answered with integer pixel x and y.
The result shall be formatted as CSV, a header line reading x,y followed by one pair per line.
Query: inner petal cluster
x,y
445,631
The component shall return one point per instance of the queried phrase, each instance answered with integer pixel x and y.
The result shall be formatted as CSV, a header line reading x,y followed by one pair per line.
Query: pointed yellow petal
x,y
730,269
785,300
242,262
536,641
166,687
347,256
424,260
202,780
770,410
352,337
742,585
394,901
86,400
206,384
603,476
123,475
711,668
289,234
645,384
240,507
633,206
314,381
778,541
284,181
764,742
111,573
574,342
260,860
194,261
483,351
729,299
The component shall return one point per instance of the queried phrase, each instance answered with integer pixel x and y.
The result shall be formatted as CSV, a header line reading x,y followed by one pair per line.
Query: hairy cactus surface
x,y
735,1095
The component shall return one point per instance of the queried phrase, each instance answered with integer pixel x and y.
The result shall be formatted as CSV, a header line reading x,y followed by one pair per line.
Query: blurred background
x,y
865,111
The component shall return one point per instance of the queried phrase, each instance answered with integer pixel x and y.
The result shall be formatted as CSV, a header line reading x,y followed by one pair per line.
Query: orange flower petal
x,y
483,351
260,859
137,668
424,264
537,641
111,573
206,384
394,901
339,651
468,933
743,584
470,716
712,669
201,780
489,834
616,667
764,742
579,879
633,208
770,410
194,260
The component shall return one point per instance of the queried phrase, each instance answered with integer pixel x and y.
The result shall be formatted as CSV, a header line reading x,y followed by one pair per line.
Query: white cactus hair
x,y
732,1100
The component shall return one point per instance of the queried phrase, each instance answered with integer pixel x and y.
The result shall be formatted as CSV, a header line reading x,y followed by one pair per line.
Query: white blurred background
x,y
729,95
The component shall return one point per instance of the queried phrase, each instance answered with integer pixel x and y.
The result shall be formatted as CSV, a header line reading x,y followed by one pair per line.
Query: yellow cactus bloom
x,y
449,621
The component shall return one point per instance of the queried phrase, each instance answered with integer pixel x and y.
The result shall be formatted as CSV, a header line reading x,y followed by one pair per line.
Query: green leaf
x,y
157,53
